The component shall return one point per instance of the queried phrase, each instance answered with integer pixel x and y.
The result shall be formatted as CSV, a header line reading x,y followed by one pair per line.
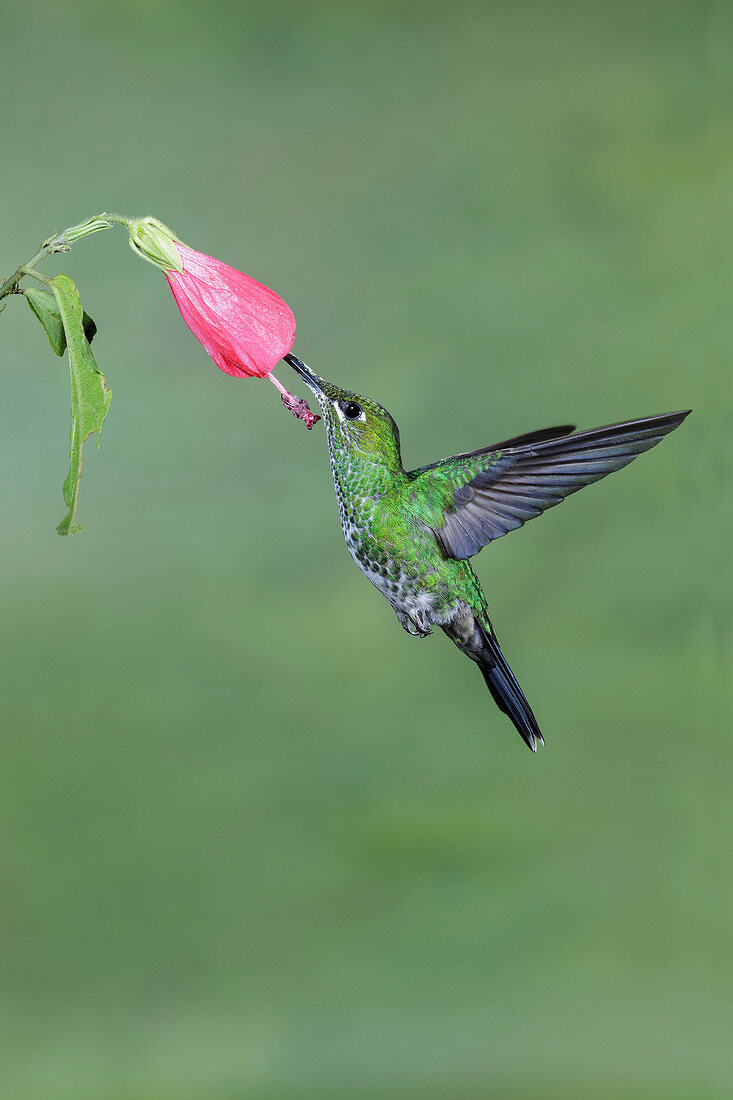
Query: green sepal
x,y
44,306
156,243
90,396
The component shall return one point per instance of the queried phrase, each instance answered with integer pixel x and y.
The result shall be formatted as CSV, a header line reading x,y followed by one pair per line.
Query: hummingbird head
x,y
356,426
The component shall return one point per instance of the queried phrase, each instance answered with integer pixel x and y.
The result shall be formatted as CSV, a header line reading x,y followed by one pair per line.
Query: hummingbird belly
x,y
402,564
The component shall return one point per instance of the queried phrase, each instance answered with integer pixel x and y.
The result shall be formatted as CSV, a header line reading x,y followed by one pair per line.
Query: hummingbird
x,y
413,532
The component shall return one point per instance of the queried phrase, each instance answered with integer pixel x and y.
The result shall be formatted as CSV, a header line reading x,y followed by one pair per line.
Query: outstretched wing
x,y
482,495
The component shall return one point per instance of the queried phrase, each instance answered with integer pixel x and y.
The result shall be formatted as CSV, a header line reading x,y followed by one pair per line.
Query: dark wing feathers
x,y
530,437
515,441
525,476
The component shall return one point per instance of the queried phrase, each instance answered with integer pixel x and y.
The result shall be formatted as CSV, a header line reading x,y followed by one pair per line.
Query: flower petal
x,y
244,326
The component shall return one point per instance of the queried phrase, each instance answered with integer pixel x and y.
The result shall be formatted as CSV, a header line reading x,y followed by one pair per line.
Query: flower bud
x,y
156,243
83,229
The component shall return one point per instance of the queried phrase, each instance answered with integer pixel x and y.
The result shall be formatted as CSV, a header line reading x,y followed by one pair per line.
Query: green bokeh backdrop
x,y
255,841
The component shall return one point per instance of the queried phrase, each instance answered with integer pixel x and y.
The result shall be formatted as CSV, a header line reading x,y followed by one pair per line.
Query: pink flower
x,y
244,326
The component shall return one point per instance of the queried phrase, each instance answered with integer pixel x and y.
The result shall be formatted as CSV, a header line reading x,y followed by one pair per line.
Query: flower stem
x,y
118,219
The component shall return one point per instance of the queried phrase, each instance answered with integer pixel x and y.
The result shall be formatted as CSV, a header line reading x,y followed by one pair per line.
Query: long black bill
x,y
305,373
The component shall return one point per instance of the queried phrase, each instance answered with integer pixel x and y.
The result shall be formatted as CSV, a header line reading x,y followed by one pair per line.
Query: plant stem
x,y
34,275
53,244
57,243
119,219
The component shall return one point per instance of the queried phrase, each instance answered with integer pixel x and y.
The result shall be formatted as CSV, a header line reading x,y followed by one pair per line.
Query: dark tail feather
x,y
506,692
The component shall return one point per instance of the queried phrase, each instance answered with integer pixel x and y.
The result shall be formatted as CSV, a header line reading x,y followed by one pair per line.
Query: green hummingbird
x,y
412,532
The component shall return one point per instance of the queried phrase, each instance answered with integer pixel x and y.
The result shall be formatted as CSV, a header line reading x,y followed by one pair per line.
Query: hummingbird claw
x,y
417,624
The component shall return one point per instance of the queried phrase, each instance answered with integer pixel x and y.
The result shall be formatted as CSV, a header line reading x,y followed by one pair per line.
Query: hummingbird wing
x,y
515,441
476,497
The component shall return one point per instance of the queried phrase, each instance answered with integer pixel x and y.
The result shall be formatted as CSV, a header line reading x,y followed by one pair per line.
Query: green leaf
x,y
46,310
44,306
90,396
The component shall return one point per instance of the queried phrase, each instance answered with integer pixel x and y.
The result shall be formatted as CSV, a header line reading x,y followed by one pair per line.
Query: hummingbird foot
x,y
417,624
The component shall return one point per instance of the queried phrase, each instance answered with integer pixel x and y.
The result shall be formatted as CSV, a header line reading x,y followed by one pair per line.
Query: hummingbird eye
x,y
351,410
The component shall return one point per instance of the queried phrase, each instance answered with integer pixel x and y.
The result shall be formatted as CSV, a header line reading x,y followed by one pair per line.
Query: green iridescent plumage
x,y
412,532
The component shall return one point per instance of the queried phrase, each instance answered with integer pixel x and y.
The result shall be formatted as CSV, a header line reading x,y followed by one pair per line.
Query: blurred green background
x,y
256,842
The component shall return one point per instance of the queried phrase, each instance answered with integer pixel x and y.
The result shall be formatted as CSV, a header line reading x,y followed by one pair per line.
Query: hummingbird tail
x,y
505,690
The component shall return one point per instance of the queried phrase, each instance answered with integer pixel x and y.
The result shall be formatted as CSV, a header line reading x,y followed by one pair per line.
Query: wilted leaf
x,y
46,309
90,396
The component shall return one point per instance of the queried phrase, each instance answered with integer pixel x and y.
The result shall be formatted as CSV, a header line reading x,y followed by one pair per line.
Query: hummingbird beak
x,y
311,380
